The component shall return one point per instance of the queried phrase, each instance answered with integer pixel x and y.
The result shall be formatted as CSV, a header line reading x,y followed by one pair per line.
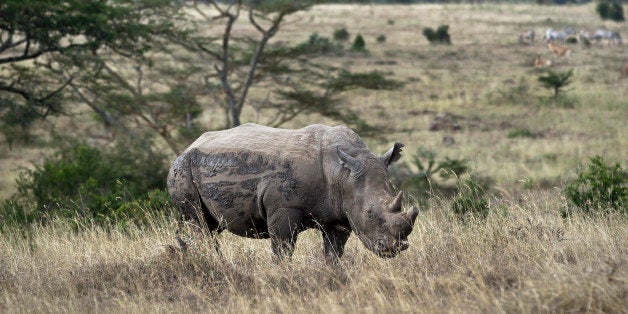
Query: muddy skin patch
x,y
223,193
250,184
229,163
289,185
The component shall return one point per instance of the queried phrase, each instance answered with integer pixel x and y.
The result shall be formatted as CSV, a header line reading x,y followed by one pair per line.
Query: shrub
x,y
556,81
89,182
381,38
341,34
610,10
599,187
571,40
471,200
421,183
522,133
439,36
358,43
317,45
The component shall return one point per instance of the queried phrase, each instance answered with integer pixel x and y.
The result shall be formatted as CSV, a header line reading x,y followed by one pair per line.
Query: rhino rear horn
x,y
392,155
353,164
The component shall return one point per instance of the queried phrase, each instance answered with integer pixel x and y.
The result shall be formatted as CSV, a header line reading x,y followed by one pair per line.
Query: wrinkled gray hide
x,y
262,182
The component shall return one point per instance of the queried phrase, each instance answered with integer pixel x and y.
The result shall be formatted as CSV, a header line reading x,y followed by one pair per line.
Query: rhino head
x,y
374,213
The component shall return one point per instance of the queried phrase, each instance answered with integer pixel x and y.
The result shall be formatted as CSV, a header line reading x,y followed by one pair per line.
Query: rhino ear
x,y
392,155
353,164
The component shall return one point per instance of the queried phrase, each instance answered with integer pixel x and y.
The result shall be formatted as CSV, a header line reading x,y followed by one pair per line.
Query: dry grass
x,y
523,258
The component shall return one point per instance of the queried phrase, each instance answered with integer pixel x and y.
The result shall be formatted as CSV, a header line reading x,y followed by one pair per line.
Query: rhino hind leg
x,y
334,240
284,225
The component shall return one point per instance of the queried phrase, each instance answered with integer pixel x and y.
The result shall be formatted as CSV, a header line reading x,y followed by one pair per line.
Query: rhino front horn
x,y
395,206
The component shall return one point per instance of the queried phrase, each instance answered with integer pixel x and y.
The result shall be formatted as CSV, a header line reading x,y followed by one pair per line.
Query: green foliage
x,y
610,10
520,132
513,93
341,34
556,81
359,45
599,188
72,42
381,38
423,183
439,36
89,182
280,6
471,201
571,40
586,42
14,212
373,80
316,45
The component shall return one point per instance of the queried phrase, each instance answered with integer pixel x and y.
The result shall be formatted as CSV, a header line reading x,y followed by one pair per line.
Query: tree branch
x,y
33,55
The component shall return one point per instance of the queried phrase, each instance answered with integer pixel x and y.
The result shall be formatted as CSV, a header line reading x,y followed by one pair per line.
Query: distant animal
x,y
262,182
541,63
559,51
612,37
552,35
526,37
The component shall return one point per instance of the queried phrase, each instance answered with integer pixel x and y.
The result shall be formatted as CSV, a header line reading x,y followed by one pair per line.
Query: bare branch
x,y
205,16
208,51
105,115
254,22
266,35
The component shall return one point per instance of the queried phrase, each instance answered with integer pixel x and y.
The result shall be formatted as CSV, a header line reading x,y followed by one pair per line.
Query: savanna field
x,y
477,100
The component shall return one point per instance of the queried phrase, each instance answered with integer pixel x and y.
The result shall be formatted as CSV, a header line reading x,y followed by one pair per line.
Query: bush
x,y
359,44
317,45
471,201
522,133
423,182
341,34
610,10
381,38
571,40
440,36
599,188
556,81
89,182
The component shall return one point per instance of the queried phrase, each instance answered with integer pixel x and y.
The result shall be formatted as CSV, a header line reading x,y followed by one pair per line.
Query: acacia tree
x,y
293,82
44,46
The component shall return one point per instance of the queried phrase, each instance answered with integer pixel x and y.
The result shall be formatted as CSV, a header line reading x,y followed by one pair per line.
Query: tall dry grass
x,y
523,258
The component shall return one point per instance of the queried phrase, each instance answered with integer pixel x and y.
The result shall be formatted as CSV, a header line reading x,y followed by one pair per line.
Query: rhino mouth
x,y
383,251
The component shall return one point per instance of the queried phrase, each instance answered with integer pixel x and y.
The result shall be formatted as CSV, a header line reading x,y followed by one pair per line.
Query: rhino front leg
x,y
334,239
284,225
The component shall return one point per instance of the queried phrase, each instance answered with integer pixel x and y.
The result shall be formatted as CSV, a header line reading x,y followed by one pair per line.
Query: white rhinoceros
x,y
262,182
